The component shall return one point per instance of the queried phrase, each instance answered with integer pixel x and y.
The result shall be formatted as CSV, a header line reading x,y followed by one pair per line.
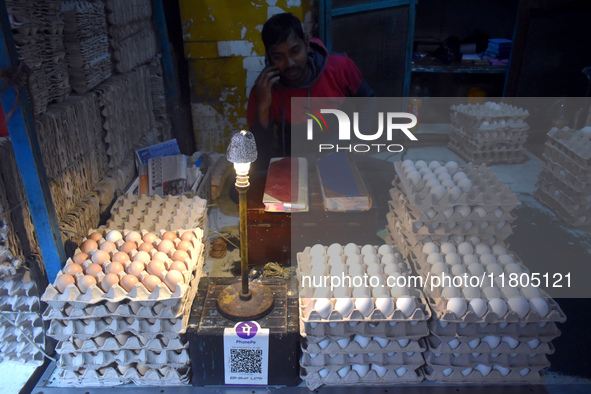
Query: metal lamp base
x,y
235,306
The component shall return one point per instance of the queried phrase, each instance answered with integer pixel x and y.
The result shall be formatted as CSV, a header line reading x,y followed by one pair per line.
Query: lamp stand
x,y
244,301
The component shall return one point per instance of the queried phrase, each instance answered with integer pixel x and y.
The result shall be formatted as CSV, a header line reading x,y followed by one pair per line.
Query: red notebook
x,y
286,189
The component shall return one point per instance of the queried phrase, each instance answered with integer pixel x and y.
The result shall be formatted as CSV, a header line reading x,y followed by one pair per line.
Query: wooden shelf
x,y
431,65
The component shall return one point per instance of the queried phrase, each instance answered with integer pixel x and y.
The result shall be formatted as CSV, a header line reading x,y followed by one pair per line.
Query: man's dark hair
x,y
278,28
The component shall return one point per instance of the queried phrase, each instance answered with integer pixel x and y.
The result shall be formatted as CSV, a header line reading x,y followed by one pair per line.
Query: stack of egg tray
x,y
362,340
482,208
564,185
87,44
163,121
133,39
489,133
22,337
38,34
503,336
124,336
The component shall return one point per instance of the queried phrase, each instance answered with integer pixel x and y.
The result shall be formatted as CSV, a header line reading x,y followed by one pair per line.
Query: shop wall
x,y
225,55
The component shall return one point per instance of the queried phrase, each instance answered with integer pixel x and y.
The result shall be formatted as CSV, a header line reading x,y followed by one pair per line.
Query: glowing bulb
x,y
242,168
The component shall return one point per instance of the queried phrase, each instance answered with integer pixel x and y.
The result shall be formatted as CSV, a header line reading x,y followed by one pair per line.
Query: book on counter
x,y
286,188
341,184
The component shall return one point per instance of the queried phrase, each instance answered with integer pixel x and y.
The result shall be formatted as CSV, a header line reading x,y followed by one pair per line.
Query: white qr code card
x,y
246,354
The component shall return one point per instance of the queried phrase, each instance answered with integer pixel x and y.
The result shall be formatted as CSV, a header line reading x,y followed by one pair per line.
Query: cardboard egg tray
x,y
122,374
580,183
487,191
407,345
454,374
115,309
536,360
552,182
567,212
87,329
574,144
315,362
134,50
142,212
556,155
467,345
122,13
500,155
331,377
110,343
19,293
151,359
472,116
15,328
481,138
545,330
385,329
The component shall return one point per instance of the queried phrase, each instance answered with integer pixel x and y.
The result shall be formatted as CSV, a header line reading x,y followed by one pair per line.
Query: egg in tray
x,y
121,291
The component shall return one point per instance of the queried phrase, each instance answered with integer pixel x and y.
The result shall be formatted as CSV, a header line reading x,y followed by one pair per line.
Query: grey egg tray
x,y
545,330
411,344
579,182
411,361
487,191
449,374
568,142
19,294
137,374
438,344
566,210
393,330
151,359
14,327
115,309
314,379
482,138
535,360
501,155
108,342
472,115
551,181
81,329
558,156
135,50
122,13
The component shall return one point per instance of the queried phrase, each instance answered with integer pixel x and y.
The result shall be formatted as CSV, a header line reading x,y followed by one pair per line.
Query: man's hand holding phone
x,y
263,84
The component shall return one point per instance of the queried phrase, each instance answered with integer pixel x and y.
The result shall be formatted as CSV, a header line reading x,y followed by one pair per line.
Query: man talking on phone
x,y
295,67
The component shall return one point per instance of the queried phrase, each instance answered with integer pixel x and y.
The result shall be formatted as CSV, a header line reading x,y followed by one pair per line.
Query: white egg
x,y
361,369
323,306
434,165
383,342
476,269
513,268
478,306
362,341
524,371
336,260
351,249
491,292
113,236
482,249
453,259
487,259
391,269
450,292
512,342
458,176
470,259
406,305
494,269
334,250
458,269
361,292
368,249
457,306
483,369
451,166
354,259
319,270
440,170
498,306
420,164
463,210
344,371
474,343
379,292
502,370
433,258
465,248
492,341
471,293
318,261
385,305
364,305
317,250
447,248
338,270
356,270
539,305
438,268
407,164
505,259
429,248
381,371
424,172
341,292
323,372
437,192
385,249
399,292
530,292
389,259
369,259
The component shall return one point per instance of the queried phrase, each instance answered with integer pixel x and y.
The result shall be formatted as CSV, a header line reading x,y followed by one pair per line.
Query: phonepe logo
x,y
389,124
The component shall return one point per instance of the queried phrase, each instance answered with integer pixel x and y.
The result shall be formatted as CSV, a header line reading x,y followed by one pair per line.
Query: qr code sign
x,y
246,361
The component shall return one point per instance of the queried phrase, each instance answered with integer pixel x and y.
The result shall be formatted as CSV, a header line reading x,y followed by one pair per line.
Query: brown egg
x,y
178,266
173,278
180,255
160,256
109,281
151,281
88,245
156,267
85,282
120,257
95,236
128,246
100,256
133,236
62,281
142,256
80,258
187,236
165,245
114,268
145,247
184,245
169,235
136,268
93,269
149,237
128,281
108,246
72,269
